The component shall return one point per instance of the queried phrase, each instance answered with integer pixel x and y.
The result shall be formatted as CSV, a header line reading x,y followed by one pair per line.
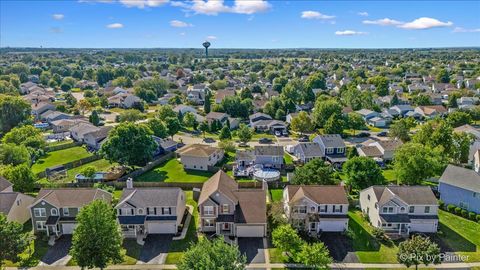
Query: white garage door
x,y
426,227
162,228
67,228
251,231
333,225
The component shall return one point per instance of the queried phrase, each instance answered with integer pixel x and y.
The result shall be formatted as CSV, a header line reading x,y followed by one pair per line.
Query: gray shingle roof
x,y
268,150
310,149
4,183
6,201
143,197
412,195
332,140
461,177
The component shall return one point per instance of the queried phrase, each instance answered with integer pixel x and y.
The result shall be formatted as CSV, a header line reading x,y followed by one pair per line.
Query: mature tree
x,y
83,105
400,130
88,171
418,250
207,105
362,172
381,85
244,133
21,177
130,115
173,125
94,119
7,88
355,122
324,109
334,125
461,143
452,101
166,111
13,111
293,91
225,133
129,144
302,123
314,255
315,81
227,146
314,172
13,241
155,85
421,100
459,118
276,214
203,127
414,162
11,154
443,76
394,100
189,120
27,135
286,239
436,133
158,127
97,239
215,254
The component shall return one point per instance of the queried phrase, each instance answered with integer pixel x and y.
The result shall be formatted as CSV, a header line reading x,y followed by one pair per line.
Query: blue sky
x,y
239,24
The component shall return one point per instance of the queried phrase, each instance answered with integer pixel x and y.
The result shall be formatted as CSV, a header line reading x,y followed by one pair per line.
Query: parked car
x,y
285,133
363,135
278,133
265,140
303,139
209,140
382,134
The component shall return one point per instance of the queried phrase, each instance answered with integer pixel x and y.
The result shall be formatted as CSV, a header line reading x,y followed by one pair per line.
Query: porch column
x,y
48,233
400,228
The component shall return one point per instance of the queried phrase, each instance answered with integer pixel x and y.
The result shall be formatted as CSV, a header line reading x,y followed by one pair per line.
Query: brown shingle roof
x,y
72,197
219,182
317,193
252,206
371,151
197,150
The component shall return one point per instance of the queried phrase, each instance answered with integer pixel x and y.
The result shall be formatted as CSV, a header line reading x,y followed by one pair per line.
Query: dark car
x,y
209,140
363,135
265,140
303,139
382,134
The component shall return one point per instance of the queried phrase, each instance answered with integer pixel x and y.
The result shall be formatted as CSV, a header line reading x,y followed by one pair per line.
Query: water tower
x,y
206,44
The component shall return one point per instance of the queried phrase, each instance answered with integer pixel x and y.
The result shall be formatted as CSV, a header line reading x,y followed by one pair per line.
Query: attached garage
x,y
336,225
162,228
425,226
67,228
250,231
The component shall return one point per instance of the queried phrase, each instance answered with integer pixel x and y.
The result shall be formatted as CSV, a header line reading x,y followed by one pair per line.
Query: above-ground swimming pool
x,y
266,175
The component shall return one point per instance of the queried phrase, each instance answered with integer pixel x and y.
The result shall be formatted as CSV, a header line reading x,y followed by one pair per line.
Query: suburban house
x,y
333,148
378,121
41,107
269,156
54,210
402,110
222,118
431,111
123,100
196,95
94,139
79,131
399,210
468,129
199,156
14,205
316,208
50,116
271,126
307,151
227,210
257,117
183,109
221,94
143,211
461,187
380,149
65,124
367,114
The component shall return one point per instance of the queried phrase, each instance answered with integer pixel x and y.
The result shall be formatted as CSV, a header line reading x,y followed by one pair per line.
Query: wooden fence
x,y
62,146
147,167
73,164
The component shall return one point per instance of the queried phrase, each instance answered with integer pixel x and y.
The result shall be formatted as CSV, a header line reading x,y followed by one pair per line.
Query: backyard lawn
x,y
60,157
389,175
173,171
100,165
276,194
177,248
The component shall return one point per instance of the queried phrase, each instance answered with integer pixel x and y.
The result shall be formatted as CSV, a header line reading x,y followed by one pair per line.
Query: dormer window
x,y
140,211
387,209
402,209
411,209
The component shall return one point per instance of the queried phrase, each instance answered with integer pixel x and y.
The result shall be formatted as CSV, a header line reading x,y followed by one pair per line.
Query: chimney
x,y
129,183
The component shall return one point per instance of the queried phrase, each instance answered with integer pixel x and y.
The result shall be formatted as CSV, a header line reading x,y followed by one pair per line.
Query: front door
x,y
226,226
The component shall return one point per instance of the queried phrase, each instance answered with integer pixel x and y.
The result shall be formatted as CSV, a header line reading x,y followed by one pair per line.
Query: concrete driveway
x,y
58,253
253,249
155,249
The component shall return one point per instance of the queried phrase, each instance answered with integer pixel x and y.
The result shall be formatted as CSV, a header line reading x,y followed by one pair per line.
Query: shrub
x,y
441,204
478,217
451,208
458,210
464,213
379,234
472,215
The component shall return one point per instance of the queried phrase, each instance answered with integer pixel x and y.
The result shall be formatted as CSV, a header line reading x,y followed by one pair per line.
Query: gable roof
x,y
7,199
309,149
145,197
390,145
412,195
317,193
461,177
4,183
72,197
197,150
219,182
331,140
252,206
268,150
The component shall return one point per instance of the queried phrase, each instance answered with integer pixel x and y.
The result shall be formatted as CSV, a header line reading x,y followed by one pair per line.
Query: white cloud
x,y
310,14
349,33
177,23
115,25
143,3
464,30
363,13
209,7
58,16
424,23
211,37
214,7
383,22
251,6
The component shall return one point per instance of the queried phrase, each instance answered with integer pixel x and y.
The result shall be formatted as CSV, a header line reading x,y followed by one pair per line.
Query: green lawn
x,y
276,194
389,174
57,143
37,249
173,171
60,157
460,234
100,165
132,253
287,158
276,256
177,248
367,248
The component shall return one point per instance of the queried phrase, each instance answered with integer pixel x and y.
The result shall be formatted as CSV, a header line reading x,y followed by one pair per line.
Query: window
x,y
302,209
54,212
140,211
388,209
411,209
340,150
225,208
166,211
402,209
39,212
208,223
427,209
313,226
208,210
66,212
368,197
329,151
322,209
40,225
